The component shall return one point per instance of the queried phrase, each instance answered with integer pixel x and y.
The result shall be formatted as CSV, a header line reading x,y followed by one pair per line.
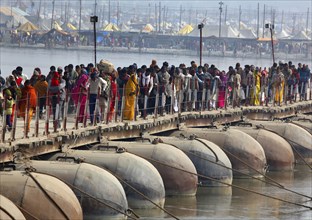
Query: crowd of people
x,y
100,95
235,47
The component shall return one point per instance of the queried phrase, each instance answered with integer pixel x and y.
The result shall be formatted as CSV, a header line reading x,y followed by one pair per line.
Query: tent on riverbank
x,y
186,30
301,36
68,27
124,27
148,28
56,26
12,16
111,27
27,27
213,30
247,33
54,36
283,35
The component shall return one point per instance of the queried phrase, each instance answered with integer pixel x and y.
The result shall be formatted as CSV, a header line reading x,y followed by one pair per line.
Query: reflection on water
x,y
207,205
233,203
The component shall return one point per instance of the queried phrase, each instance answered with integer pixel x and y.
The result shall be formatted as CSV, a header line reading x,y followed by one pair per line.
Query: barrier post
x,y
47,113
266,88
85,112
310,87
180,98
14,120
108,107
247,96
203,102
96,109
156,103
172,97
295,88
26,118
78,110
285,93
4,119
217,98
301,92
37,116
136,110
122,103
208,99
163,103
116,104
56,114
273,96
189,97
291,93
225,97
306,91
65,112
145,106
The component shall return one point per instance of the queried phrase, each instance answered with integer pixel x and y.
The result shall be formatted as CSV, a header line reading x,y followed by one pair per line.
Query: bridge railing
x,y
54,113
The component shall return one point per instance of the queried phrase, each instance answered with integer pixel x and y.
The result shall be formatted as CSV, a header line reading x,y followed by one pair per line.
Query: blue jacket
x,y
305,74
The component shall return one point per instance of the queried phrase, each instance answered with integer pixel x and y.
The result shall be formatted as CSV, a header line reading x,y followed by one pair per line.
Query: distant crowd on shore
x,y
212,46
101,93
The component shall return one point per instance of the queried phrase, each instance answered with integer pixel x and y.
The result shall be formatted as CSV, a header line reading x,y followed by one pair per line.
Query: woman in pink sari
x,y
222,87
79,93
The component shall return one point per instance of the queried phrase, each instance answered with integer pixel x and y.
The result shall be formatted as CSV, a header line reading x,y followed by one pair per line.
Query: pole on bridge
x,y
116,104
26,117
65,111
108,107
122,103
85,111
96,110
37,116
47,114
78,110
4,119
156,103
14,120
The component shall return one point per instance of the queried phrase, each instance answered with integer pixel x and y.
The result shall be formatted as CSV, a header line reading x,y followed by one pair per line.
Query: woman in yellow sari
x,y
131,91
279,86
256,90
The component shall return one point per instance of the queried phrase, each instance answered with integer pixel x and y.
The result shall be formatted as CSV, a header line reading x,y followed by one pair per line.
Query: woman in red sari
x,y
79,93
222,88
113,96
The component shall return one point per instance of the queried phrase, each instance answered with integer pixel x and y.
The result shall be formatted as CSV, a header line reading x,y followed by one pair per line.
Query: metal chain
x,y
228,184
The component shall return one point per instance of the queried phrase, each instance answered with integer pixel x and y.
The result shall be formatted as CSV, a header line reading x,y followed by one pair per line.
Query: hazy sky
x,y
286,5
292,5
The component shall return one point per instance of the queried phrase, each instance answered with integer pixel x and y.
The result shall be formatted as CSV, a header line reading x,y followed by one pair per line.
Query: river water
x,y
29,58
209,203
232,203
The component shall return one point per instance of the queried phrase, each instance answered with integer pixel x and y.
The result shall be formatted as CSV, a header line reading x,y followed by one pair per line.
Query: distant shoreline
x,y
278,56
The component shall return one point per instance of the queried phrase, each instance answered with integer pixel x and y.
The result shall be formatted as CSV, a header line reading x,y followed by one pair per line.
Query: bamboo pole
x,y
65,112
4,119
37,116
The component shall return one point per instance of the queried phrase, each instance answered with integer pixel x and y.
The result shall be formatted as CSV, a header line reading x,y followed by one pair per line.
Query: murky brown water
x,y
232,203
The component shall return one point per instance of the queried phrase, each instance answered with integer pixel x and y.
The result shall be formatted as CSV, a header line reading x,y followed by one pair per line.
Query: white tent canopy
x,y
301,36
124,27
213,30
247,33
283,35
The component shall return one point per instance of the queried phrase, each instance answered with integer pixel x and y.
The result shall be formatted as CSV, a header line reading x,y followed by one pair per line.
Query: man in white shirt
x,y
96,86
146,86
